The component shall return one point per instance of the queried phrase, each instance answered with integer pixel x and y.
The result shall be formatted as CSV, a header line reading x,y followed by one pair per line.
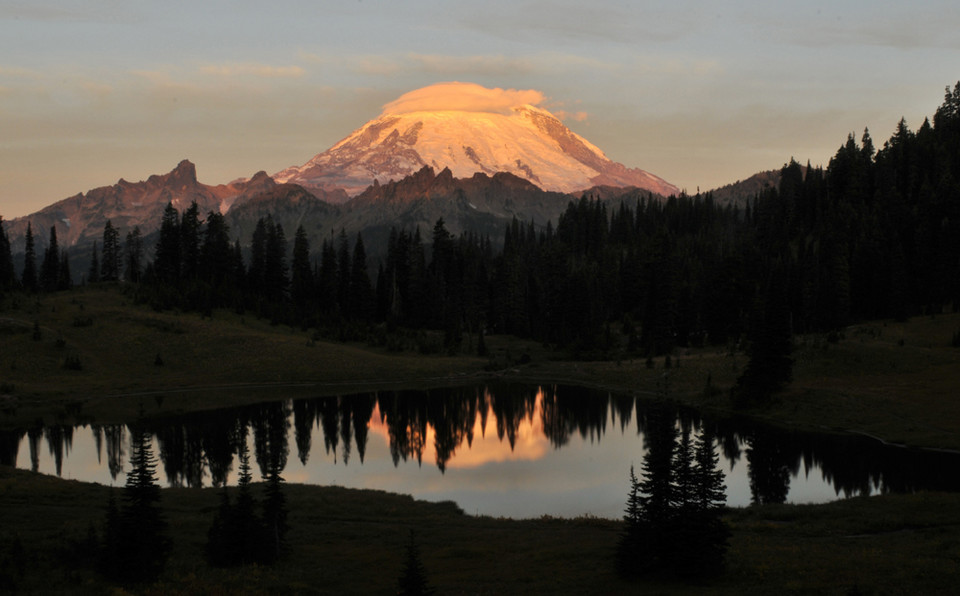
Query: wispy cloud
x,y
456,66
890,24
580,116
675,66
577,21
496,64
252,69
19,73
67,10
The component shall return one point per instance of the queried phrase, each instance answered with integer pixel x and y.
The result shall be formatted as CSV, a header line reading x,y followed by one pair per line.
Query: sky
x,y
700,93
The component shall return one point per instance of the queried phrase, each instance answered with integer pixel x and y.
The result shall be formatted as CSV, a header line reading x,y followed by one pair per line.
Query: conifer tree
x,y
216,261
327,282
258,257
709,493
139,546
65,281
28,278
237,535
700,534
8,276
133,250
166,256
50,266
275,265
413,576
684,484
770,366
672,522
110,260
275,513
93,273
630,546
301,274
190,225
361,290
343,273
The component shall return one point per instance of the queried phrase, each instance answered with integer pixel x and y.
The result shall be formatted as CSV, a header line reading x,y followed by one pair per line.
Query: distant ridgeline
x,y
876,234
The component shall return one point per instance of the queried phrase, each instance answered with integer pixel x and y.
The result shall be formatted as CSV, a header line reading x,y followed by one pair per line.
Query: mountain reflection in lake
x,y
504,450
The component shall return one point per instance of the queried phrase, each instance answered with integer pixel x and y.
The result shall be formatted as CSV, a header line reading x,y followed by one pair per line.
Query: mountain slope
x,y
523,140
80,219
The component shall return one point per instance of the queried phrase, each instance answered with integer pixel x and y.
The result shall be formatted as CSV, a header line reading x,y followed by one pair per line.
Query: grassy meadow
x,y
100,357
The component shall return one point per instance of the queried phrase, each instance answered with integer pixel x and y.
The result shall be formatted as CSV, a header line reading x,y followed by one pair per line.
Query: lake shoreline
x,y
887,380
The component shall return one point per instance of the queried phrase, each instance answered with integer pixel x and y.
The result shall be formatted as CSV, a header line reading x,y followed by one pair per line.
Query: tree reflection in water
x,y
201,448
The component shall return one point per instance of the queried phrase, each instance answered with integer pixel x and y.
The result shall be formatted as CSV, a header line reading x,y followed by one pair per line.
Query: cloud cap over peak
x,y
463,97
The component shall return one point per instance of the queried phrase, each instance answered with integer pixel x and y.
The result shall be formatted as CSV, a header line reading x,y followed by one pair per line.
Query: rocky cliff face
x,y
80,219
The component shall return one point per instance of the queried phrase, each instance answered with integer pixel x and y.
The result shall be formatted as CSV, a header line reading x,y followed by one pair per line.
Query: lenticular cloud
x,y
463,97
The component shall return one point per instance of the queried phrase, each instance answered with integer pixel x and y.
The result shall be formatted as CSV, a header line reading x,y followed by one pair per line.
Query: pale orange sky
x,y
699,93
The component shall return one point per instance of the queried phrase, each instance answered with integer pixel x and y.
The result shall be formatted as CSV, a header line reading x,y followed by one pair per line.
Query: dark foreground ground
x,y
345,541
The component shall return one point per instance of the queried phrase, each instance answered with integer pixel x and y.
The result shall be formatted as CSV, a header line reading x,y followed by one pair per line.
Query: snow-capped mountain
x,y
467,129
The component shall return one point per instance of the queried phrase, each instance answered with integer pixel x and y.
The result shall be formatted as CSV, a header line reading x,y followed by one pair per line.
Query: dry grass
x,y
352,542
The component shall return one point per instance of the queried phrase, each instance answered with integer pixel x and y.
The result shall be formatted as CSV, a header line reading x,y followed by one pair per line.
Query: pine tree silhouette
x,y
413,578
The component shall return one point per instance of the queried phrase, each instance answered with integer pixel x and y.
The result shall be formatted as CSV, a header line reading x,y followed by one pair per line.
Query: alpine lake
x,y
500,450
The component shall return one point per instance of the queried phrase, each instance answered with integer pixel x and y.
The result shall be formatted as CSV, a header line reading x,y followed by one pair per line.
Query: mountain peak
x,y
185,174
185,171
467,129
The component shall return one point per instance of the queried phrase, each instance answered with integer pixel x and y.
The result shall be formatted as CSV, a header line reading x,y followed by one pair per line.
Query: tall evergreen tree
x,y
413,576
142,546
216,261
166,256
301,275
710,491
65,281
133,255
110,259
50,266
8,275
237,535
672,523
328,279
275,513
190,230
275,272
361,290
93,274
630,546
28,278
343,273
770,366
256,273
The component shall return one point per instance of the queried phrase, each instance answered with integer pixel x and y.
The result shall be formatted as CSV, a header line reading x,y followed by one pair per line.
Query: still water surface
x,y
505,450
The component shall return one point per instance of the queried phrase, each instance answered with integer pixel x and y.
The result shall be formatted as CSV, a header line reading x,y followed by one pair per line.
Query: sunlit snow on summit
x,y
467,129
462,97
